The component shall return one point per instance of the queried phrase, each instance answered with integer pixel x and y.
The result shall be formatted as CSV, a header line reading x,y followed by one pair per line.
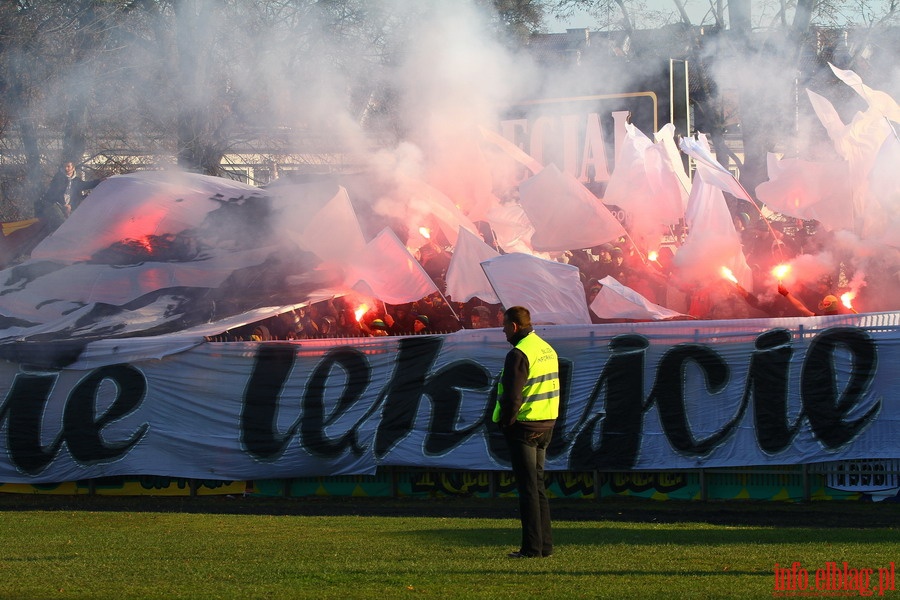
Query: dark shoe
x,y
518,554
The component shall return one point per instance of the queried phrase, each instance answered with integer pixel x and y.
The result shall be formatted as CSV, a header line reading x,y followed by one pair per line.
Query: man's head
x,y
515,319
481,317
69,168
829,305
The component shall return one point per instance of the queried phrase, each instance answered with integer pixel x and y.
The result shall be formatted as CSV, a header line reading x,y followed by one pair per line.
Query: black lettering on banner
x,y
559,442
313,422
83,427
446,401
496,444
824,407
668,393
410,382
621,423
400,397
26,404
24,408
259,413
767,383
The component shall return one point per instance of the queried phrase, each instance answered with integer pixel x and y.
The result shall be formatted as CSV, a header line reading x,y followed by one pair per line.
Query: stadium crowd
x,y
766,244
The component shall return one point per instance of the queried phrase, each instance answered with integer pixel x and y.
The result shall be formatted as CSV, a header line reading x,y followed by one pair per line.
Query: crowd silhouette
x,y
767,243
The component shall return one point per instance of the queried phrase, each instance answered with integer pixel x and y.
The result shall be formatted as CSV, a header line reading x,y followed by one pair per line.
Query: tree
x,y
763,56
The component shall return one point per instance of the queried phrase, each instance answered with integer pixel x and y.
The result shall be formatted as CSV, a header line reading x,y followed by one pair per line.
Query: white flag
x,y
551,291
714,173
713,242
333,233
465,277
645,186
616,301
881,102
385,269
565,214
511,227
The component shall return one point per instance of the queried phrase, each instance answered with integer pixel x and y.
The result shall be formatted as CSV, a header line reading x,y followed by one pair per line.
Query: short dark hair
x,y
518,315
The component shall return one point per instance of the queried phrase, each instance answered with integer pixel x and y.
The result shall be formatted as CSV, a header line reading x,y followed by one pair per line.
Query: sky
x,y
580,19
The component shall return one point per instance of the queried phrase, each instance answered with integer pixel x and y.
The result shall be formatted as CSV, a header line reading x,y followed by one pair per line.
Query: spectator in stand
x,y
435,260
481,318
346,324
828,305
618,264
305,327
327,327
377,328
421,324
604,264
441,317
592,289
66,191
403,318
582,259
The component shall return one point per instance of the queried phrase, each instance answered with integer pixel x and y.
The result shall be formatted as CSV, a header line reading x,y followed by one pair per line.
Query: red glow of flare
x,y
727,274
360,311
781,271
653,255
426,233
847,299
145,242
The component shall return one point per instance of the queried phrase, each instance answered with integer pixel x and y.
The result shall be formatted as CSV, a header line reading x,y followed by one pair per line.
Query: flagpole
x,y
447,302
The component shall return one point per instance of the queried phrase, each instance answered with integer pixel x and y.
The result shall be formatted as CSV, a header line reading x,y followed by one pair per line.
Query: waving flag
x,y
713,242
386,270
465,277
617,301
333,233
644,185
714,173
551,291
564,213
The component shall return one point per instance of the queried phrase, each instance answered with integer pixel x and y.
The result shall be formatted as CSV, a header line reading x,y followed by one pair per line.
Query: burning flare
x,y
653,255
781,271
425,232
360,311
847,300
727,274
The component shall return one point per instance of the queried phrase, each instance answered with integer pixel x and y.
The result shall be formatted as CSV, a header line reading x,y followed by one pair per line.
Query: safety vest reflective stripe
x,y
540,396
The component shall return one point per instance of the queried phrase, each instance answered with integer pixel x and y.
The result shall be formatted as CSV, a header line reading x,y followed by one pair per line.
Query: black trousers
x,y
527,452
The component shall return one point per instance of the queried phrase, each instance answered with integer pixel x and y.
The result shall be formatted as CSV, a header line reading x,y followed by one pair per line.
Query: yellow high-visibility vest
x,y
540,397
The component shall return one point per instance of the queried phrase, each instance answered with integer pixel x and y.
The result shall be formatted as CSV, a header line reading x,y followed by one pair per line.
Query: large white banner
x,y
669,395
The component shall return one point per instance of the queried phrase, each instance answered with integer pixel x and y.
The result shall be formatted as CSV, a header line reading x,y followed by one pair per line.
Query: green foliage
x,y
215,548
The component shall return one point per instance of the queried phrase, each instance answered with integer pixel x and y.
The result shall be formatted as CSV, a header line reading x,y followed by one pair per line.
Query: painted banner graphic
x,y
664,395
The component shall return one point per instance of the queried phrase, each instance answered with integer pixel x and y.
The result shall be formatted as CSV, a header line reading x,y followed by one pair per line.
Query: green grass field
x,y
218,547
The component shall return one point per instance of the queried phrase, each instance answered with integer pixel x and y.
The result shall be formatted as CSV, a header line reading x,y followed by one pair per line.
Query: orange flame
x,y
847,299
360,311
426,233
727,274
653,255
781,271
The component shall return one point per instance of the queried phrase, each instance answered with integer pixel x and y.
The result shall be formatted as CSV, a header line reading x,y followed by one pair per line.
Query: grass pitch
x,y
226,547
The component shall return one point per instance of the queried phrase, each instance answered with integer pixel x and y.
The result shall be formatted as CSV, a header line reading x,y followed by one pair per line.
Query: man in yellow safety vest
x,y
526,411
